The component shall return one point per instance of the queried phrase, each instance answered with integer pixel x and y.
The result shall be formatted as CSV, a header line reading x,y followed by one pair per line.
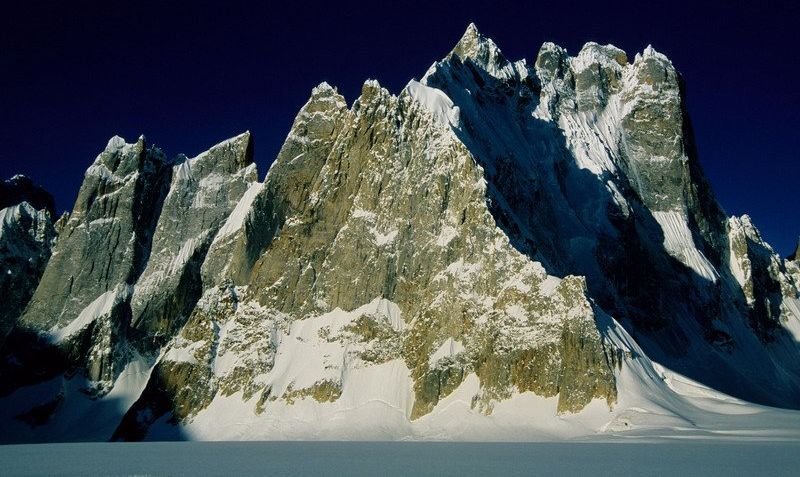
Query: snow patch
x,y
449,349
363,214
382,239
237,218
446,236
441,107
100,307
305,357
185,253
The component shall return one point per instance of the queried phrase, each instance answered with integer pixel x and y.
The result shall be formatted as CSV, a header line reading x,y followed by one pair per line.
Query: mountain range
x,y
502,250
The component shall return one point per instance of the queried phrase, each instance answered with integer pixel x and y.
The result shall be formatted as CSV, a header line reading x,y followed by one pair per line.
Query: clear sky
x,y
72,74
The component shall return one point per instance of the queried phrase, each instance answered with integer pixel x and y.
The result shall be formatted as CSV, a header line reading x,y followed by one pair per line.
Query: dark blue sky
x,y
72,74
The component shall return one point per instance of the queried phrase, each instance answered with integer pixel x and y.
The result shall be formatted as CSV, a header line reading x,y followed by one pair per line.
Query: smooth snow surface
x,y
444,112
679,458
80,417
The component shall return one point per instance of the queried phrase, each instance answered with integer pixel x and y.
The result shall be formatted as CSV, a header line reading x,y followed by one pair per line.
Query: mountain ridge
x,y
496,240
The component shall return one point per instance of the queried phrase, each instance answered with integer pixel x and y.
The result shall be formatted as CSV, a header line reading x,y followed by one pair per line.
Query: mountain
x,y
20,189
27,234
500,251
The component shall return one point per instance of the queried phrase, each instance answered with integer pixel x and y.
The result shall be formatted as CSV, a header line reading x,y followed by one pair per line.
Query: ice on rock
x,y
448,349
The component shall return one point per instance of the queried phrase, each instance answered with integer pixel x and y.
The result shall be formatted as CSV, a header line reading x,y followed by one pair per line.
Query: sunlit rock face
x,y
494,232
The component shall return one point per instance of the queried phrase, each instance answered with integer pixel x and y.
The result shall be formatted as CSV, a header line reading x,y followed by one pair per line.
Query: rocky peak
x,y
654,74
227,157
203,192
371,92
323,90
111,224
482,51
597,70
119,158
550,62
325,100
233,154
605,56
21,188
26,239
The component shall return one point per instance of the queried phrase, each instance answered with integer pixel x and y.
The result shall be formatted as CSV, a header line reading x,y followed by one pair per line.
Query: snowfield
x,y
675,457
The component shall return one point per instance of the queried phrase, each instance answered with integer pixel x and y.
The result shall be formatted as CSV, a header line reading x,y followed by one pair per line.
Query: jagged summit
x,y
21,188
323,89
481,50
607,56
498,251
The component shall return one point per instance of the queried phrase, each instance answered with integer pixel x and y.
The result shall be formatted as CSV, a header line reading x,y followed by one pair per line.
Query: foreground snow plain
x,y
647,457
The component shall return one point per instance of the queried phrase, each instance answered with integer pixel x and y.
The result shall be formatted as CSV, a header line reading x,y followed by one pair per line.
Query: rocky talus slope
x,y
500,247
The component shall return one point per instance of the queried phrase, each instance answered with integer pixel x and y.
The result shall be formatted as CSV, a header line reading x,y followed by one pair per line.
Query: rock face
x,y
115,285
26,238
476,239
203,192
592,171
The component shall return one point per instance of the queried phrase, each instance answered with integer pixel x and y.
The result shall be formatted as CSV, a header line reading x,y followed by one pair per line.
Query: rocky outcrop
x,y
762,276
81,302
106,240
384,197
